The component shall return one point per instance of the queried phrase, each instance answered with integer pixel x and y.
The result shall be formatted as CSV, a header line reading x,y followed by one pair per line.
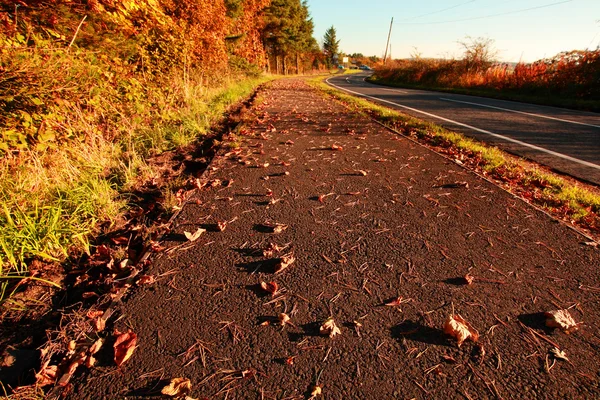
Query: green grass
x,y
83,146
564,198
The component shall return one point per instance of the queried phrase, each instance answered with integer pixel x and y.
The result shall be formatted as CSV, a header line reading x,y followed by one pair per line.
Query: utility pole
x,y
388,41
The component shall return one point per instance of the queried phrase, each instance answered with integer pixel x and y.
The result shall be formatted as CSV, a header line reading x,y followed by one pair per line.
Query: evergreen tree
x,y
331,45
288,32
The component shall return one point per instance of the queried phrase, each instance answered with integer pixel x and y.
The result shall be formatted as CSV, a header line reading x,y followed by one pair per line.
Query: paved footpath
x,y
370,217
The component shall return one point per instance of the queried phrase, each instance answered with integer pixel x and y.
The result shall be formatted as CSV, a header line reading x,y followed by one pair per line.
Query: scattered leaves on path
x,y
460,329
329,328
124,346
561,319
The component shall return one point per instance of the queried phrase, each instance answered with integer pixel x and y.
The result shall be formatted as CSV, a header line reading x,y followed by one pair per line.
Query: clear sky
x,y
522,29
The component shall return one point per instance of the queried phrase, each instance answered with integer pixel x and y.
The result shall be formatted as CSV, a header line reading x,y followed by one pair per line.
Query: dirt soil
x,y
370,216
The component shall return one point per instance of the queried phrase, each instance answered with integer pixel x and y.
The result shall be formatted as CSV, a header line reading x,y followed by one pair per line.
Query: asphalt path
x,y
565,140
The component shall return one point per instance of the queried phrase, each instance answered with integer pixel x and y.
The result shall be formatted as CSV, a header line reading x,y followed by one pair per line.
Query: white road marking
x,y
395,90
508,139
520,112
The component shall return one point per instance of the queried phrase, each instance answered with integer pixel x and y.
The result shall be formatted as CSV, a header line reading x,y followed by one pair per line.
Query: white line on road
x,y
508,139
395,90
521,112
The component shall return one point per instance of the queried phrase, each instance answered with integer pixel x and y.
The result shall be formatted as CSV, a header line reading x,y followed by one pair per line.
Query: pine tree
x,y
331,46
288,32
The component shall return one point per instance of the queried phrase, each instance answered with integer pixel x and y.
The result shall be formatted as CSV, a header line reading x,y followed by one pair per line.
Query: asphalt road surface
x,y
565,140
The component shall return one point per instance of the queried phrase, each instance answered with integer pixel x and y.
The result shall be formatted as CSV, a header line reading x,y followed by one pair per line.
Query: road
x,y
565,140
369,234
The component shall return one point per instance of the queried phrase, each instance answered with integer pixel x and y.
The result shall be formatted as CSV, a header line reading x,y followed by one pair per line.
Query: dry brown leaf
x,y
221,225
285,319
469,279
178,387
124,346
66,377
284,263
316,391
460,329
99,324
561,319
559,354
146,280
47,375
271,287
395,302
192,237
362,172
96,346
290,360
336,147
329,328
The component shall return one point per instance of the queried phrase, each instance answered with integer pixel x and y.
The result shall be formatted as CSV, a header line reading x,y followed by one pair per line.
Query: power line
x,y
439,11
489,16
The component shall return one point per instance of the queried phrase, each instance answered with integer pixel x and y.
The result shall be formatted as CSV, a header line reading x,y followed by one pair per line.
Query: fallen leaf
x,y
271,287
193,237
559,354
316,391
469,279
96,346
124,347
146,280
99,324
561,319
284,262
329,328
66,377
395,302
47,375
271,249
460,329
290,360
336,147
221,225
361,172
178,387
285,319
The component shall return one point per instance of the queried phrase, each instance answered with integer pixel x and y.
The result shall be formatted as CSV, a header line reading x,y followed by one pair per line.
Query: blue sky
x,y
528,30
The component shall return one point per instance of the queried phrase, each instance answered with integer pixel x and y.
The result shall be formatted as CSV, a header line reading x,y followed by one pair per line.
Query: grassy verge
x,y
547,99
77,133
566,199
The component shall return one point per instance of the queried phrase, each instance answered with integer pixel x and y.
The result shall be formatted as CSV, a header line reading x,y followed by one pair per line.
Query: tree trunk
x,y
285,70
297,63
277,63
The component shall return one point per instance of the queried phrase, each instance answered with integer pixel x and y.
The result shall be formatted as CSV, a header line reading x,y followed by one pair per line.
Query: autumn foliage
x,y
573,75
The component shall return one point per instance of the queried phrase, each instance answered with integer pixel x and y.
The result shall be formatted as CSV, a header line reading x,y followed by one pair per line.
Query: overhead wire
x,y
487,16
439,11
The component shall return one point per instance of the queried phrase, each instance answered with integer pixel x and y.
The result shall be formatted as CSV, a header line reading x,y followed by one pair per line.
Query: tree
x,y
331,45
287,32
479,53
